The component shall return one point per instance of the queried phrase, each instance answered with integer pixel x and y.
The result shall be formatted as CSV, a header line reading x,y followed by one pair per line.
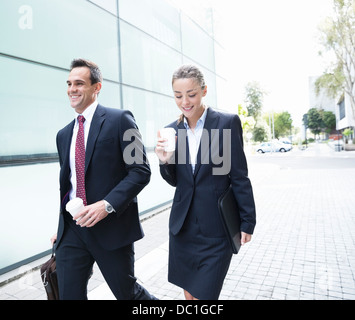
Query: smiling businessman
x,y
92,167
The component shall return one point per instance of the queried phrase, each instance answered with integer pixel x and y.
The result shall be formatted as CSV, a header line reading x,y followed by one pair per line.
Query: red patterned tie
x,y
80,161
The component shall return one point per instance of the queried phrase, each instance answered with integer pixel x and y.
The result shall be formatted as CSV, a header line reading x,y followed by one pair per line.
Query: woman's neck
x,y
193,121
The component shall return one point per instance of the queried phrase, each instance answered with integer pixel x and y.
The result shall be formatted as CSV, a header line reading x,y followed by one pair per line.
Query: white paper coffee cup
x,y
74,206
169,134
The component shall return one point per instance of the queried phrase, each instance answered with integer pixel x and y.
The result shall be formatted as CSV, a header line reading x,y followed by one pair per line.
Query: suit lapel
x,y
183,155
65,143
211,122
95,127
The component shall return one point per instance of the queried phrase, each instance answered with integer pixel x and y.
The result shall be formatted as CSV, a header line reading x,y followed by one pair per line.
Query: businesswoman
x,y
201,168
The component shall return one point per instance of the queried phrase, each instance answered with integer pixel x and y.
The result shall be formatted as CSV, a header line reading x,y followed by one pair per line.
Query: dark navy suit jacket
x,y
107,175
199,191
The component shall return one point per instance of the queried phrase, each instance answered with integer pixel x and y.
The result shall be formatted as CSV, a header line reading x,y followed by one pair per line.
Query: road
x,y
317,157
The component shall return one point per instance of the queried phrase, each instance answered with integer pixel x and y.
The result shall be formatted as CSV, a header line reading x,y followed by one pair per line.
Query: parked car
x,y
273,146
286,142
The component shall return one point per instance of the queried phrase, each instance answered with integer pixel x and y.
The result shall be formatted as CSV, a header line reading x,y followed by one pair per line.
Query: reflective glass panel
x,y
152,111
146,62
34,106
156,17
57,31
197,44
109,5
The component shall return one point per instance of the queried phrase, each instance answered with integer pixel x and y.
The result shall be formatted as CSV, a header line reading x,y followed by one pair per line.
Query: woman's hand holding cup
x,y
165,147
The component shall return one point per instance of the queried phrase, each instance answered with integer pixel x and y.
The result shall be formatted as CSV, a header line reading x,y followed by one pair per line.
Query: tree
x,y
283,124
315,121
338,37
248,123
260,133
254,99
318,120
347,133
329,121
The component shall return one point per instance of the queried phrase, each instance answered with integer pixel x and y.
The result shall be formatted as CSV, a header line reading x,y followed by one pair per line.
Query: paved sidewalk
x,y
303,247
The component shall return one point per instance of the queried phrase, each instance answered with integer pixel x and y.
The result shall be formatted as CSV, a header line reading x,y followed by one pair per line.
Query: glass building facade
x,y
137,44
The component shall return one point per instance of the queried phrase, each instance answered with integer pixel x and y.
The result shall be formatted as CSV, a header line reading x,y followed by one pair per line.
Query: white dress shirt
x,y
88,114
194,138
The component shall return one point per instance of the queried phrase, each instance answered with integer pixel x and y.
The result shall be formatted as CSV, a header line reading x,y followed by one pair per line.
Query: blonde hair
x,y
189,72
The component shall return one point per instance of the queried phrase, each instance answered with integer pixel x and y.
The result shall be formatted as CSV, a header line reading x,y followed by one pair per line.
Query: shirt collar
x,y
88,112
200,122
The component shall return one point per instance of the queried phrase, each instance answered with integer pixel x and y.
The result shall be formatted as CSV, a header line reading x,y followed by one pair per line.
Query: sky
x,y
272,42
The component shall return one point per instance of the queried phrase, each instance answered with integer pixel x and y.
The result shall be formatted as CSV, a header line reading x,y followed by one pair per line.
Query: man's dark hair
x,y
95,73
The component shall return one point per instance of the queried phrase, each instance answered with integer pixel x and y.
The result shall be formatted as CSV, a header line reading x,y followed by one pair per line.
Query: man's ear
x,y
98,87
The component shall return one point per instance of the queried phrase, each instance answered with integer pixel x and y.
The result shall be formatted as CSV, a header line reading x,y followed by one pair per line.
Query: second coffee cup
x,y
74,206
169,134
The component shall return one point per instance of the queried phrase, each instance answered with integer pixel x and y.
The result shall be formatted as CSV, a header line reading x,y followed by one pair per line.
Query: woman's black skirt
x,y
197,263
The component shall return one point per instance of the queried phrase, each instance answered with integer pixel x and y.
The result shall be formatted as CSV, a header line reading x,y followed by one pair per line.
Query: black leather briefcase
x,y
49,278
229,212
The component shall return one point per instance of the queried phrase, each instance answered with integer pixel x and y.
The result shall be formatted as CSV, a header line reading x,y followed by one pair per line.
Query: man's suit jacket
x,y
107,175
199,191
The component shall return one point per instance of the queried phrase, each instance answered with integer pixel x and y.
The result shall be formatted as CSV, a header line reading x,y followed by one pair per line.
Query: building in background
x,y
137,44
345,111
341,107
344,114
321,101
